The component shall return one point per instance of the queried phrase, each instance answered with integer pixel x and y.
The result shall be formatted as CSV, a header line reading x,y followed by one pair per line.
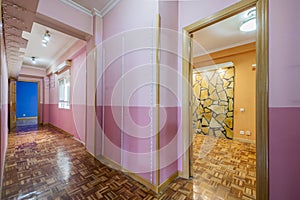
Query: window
x,y
64,93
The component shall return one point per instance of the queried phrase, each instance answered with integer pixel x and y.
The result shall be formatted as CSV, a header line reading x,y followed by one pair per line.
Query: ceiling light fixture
x,y
46,39
250,23
33,60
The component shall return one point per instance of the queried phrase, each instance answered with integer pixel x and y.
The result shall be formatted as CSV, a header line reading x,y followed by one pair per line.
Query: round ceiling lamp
x,y
250,23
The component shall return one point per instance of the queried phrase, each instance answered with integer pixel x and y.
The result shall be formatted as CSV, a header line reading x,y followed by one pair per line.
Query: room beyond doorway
x,y
261,90
27,103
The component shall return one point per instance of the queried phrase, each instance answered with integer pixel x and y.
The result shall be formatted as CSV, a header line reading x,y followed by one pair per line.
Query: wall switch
x,y
242,132
248,133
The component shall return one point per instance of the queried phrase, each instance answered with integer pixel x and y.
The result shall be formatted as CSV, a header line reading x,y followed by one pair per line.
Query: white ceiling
x,y
23,36
45,56
222,35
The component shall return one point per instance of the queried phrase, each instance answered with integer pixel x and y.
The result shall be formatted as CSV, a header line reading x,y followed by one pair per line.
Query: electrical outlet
x,y
242,132
248,133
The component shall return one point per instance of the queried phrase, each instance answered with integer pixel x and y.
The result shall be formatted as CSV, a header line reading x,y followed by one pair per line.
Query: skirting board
x,y
27,118
2,172
64,132
60,130
245,140
143,181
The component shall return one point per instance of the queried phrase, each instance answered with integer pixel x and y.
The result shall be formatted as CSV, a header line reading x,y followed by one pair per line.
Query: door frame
x,y
38,94
262,102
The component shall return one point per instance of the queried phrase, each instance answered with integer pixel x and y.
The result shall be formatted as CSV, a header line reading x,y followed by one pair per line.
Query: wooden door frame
x,y
262,61
39,97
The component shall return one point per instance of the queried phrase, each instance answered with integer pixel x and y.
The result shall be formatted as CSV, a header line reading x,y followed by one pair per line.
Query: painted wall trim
x,y
227,47
77,6
212,67
33,67
244,140
108,7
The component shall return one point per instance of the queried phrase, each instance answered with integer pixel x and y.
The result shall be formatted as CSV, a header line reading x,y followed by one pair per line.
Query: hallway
x,y
46,164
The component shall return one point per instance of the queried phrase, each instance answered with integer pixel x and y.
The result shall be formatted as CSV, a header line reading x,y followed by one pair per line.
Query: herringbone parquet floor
x,y
45,164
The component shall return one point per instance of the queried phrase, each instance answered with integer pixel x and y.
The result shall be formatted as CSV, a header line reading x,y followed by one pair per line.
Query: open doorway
x,y
227,118
223,107
27,104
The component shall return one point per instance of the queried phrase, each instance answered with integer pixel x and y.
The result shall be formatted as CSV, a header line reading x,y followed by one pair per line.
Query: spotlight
x,y
47,36
33,60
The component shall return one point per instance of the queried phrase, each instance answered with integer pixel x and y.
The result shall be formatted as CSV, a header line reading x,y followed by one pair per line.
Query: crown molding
x,y
33,67
77,6
109,6
96,12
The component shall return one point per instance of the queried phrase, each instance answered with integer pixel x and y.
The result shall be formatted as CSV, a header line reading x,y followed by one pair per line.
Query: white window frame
x,y
64,93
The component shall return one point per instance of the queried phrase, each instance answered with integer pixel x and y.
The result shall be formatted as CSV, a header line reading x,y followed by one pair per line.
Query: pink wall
x,y
64,13
71,120
284,99
127,123
4,109
169,99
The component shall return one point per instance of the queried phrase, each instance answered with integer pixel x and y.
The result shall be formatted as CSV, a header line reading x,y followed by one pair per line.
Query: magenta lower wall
x,y
135,154
168,142
68,119
284,162
45,113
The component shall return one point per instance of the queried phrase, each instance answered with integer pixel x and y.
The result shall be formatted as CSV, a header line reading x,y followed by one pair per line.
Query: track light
x,y
46,39
47,36
33,60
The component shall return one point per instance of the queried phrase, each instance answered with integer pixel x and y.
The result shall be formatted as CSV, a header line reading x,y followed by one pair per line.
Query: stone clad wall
x,y
213,102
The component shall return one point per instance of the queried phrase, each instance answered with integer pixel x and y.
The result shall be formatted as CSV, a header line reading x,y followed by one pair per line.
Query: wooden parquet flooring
x,y
46,164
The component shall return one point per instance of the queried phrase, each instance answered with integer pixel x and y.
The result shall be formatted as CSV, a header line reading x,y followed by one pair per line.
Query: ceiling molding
x,y
96,12
77,6
33,67
109,6
225,47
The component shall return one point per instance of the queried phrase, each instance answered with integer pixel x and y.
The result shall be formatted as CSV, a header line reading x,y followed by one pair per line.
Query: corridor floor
x,y
46,164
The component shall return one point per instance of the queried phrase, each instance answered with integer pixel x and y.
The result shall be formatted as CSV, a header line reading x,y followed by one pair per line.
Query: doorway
x,y
27,105
261,89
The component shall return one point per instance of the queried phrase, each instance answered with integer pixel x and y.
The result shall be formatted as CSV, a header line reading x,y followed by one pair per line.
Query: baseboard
x,y
79,141
167,182
60,130
110,163
27,118
45,123
138,178
141,180
2,171
180,174
245,140
132,175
